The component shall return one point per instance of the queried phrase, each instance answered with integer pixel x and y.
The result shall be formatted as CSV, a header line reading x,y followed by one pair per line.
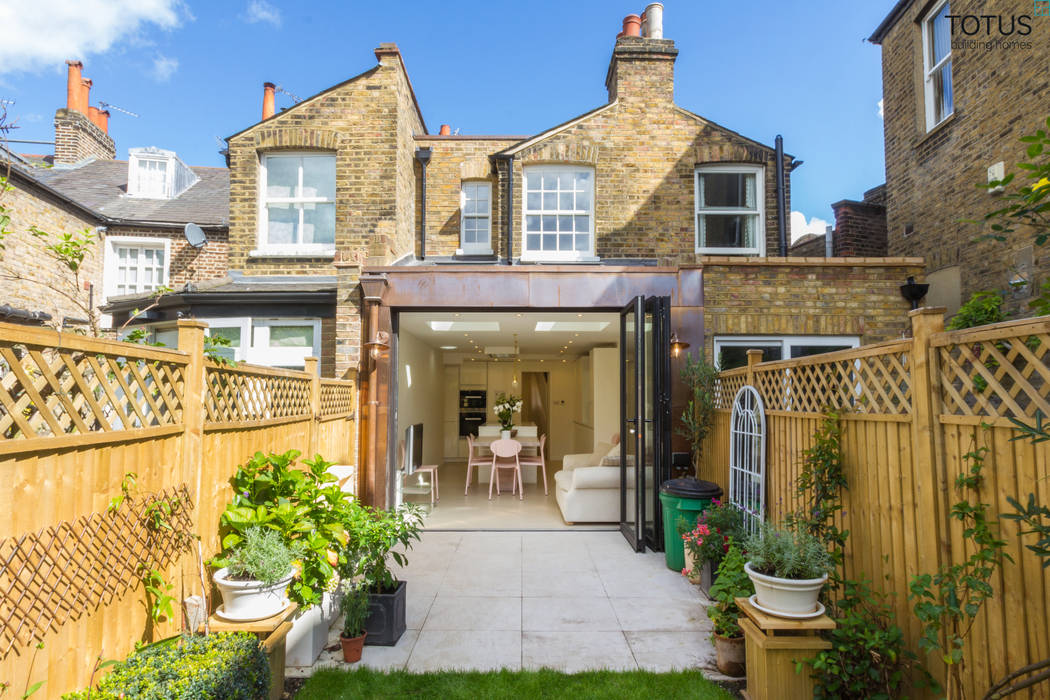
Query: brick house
x,y
959,92
138,209
448,251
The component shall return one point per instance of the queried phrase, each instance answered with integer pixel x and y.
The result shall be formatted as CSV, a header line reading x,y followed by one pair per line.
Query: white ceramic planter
x,y
789,596
504,435
309,634
243,601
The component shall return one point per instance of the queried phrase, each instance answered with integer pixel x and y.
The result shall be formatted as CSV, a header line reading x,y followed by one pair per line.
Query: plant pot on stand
x,y
793,598
729,654
248,600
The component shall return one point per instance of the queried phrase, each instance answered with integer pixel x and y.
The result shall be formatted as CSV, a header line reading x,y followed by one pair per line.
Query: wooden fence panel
x,y
897,501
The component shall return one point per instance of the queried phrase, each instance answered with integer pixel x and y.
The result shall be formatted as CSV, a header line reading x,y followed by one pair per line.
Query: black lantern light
x,y
913,292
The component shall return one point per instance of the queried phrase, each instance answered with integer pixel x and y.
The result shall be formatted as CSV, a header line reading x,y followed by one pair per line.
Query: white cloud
x,y
881,112
262,11
800,228
164,67
44,33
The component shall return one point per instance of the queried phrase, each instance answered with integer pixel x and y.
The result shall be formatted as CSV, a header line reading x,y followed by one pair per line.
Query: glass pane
x,y
534,201
807,350
940,35
583,198
283,220
565,201
550,181
167,337
532,241
550,223
629,442
582,243
318,223
532,223
550,201
942,90
533,180
158,258
565,241
564,223
727,230
230,333
582,223
291,336
481,193
282,176
319,177
733,356
550,241
470,205
720,190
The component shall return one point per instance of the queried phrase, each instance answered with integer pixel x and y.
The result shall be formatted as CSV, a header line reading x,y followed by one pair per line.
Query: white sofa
x,y
587,488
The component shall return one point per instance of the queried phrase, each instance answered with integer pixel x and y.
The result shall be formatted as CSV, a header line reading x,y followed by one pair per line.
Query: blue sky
x,y
193,71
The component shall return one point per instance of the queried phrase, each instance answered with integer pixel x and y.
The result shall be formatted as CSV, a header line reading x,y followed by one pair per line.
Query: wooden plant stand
x,y
272,633
773,645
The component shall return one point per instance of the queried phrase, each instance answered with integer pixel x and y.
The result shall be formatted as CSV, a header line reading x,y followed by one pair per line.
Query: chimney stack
x,y
445,130
642,65
269,101
81,131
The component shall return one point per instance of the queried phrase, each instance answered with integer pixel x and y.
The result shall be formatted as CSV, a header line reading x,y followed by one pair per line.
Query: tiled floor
x,y
570,601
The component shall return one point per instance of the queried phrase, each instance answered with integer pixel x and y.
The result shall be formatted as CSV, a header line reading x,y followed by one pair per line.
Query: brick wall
x,y
77,138
454,160
24,255
809,246
806,296
187,264
931,177
860,227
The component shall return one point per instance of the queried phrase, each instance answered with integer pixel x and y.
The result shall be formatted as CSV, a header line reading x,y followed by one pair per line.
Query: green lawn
x,y
330,684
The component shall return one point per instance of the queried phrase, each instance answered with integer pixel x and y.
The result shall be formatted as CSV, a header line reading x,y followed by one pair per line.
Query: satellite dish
x,y
195,235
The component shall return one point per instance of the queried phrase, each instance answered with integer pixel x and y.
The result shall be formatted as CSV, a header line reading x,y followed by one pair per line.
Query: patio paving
x,y
570,601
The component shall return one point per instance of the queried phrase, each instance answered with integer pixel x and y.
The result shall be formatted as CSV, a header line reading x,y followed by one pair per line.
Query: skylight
x,y
572,326
464,325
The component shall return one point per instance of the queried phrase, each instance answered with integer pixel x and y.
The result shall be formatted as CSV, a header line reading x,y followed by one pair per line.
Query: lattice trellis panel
x,y
1000,378
235,395
726,387
337,397
47,391
55,575
874,384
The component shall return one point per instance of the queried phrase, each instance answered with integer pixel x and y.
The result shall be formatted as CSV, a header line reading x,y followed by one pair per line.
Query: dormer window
x,y
154,173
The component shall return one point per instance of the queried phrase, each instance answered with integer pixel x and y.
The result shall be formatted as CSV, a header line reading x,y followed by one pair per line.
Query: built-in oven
x,y
469,422
472,399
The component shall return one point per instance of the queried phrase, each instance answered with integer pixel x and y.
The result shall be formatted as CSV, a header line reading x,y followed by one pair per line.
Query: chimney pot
x,y
654,15
84,98
73,80
632,25
269,101
445,130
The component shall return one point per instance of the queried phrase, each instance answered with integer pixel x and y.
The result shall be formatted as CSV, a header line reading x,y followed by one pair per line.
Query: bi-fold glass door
x,y
645,416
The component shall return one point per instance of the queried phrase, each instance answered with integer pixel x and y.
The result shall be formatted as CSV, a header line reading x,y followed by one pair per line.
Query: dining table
x,y
528,473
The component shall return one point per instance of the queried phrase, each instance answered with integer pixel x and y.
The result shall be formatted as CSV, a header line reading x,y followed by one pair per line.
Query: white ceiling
x,y
556,342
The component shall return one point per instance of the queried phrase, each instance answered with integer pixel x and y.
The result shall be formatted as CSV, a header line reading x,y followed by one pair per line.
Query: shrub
x,y
229,666
261,556
733,582
305,506
373,535
717,528
784,553
980,310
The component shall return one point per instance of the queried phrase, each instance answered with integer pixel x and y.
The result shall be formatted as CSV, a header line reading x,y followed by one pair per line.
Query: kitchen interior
x,y
452,366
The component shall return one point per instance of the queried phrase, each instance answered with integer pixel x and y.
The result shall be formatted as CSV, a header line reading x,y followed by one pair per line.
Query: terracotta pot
x,y
632,25
352,647
729,652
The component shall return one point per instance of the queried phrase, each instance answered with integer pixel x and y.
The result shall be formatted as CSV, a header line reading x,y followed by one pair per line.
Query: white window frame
x,y
929,71
557,255
240,354
474,248
288,249
786,342
760,203
110,260
260,353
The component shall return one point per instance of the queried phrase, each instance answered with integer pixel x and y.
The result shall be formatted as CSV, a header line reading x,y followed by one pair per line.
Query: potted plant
x,y
374,534
732,583
788,569
255,575
355,608
719,526
505,408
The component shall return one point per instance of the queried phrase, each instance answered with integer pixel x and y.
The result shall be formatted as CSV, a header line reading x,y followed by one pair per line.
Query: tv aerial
x,y
108,106
283,91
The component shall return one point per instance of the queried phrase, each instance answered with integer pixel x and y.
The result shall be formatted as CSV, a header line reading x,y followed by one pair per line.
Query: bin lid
x,y
691,488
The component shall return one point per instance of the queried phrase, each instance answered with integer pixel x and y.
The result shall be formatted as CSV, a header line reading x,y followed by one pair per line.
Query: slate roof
x,y
101,185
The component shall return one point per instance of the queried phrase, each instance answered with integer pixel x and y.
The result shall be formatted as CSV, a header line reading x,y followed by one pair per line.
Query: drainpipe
x,y
423,156
509,159
781,197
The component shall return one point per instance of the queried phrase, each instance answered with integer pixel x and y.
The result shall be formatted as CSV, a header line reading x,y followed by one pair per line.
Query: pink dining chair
x,y
537,461
505,456
473,460
435,494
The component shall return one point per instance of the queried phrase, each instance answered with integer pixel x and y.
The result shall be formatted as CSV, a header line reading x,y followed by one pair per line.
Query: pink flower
x,y
685,572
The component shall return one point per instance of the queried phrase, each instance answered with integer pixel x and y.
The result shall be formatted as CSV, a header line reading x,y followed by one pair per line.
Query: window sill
x,y
535,258
936,129
752,252
327,253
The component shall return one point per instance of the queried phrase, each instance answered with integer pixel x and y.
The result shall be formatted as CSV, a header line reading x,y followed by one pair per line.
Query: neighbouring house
x,y
859,231
138,209
959,91
449,268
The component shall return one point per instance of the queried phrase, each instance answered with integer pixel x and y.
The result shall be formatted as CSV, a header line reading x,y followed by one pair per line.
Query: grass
x,y
330,684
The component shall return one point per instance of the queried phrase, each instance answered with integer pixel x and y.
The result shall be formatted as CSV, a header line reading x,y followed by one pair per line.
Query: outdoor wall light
x,y
677,346
379,344
913,292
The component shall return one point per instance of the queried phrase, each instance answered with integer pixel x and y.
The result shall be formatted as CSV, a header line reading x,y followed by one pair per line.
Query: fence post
x,y
754,356
929,467
191,342
315,404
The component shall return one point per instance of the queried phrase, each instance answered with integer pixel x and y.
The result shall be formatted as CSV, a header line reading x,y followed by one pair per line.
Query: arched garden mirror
x,y
747,456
